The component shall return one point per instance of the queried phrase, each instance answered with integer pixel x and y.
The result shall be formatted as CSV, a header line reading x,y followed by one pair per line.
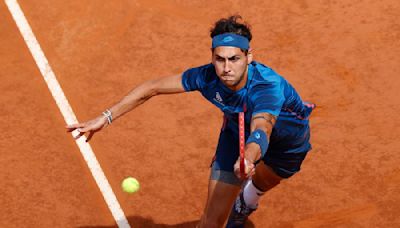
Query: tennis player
x,y
277,128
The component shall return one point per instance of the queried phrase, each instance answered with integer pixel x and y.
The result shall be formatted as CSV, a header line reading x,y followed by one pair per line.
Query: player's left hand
x,y
249,169
91,127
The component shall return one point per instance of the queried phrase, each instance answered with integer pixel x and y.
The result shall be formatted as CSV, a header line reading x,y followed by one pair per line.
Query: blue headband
x,y
230,39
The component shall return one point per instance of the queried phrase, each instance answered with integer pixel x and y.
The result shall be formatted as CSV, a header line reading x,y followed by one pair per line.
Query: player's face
x,y
231,66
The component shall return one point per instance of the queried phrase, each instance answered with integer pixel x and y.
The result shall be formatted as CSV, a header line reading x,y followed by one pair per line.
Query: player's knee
x,y
265,178
266,184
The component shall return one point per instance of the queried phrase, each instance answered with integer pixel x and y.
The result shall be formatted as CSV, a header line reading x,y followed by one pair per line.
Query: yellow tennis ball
x,y
130,185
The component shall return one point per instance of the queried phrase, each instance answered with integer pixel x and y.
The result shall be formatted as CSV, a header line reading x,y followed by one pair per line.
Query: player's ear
x,y
249,56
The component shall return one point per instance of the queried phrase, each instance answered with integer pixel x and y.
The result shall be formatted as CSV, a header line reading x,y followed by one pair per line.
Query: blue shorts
x,y
289,144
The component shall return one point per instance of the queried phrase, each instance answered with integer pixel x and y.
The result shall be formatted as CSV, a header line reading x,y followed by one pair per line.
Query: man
x,y
276,122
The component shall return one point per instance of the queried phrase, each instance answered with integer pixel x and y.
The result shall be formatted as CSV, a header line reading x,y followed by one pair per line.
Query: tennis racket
x,y
241,144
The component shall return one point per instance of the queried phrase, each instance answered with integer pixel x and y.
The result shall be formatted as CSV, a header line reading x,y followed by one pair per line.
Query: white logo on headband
x,y
227,39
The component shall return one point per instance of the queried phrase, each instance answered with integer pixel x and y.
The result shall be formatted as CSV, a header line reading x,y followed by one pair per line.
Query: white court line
x,y
67,112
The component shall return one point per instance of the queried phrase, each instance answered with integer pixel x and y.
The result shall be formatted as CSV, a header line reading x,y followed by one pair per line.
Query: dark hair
x,y
232,24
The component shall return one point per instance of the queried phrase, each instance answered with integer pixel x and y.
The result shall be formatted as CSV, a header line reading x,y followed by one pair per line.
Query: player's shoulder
x,y
206,72
263,75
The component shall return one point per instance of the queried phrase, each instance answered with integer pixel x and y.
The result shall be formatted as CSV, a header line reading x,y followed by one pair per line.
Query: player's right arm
x,y
136,97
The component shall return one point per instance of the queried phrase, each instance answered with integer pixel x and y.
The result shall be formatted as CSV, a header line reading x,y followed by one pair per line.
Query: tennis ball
x,y
130,185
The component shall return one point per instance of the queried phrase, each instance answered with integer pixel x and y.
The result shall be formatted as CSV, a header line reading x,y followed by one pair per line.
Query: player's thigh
x,y
227,151
226,154
287,152
281,162
224,186
275,167
265,177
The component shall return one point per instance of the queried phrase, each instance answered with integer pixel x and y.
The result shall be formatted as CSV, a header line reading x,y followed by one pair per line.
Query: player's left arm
x,y
260,123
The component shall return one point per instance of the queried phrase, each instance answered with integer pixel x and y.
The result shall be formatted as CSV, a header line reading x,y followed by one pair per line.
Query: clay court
x,y
342,55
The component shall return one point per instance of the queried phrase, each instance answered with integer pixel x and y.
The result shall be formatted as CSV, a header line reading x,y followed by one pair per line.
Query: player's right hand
x,y
249,170
91,126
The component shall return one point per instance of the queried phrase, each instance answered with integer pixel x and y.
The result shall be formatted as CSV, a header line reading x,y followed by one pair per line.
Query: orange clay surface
x,y
342,55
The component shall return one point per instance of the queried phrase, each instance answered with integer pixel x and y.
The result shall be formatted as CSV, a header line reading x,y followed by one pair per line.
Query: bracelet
x,y
107,113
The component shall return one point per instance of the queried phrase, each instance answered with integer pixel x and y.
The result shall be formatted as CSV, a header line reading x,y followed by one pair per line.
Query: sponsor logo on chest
x,y
218,99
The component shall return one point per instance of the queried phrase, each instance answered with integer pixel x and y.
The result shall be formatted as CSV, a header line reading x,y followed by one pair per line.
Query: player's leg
x,y
224,186
246,203
267,176
220,199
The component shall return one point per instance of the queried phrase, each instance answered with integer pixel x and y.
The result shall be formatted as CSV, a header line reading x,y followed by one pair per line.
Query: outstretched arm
x,y
145,91
136,97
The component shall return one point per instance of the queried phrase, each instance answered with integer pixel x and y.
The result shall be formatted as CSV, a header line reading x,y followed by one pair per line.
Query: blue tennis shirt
x,y
265,91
